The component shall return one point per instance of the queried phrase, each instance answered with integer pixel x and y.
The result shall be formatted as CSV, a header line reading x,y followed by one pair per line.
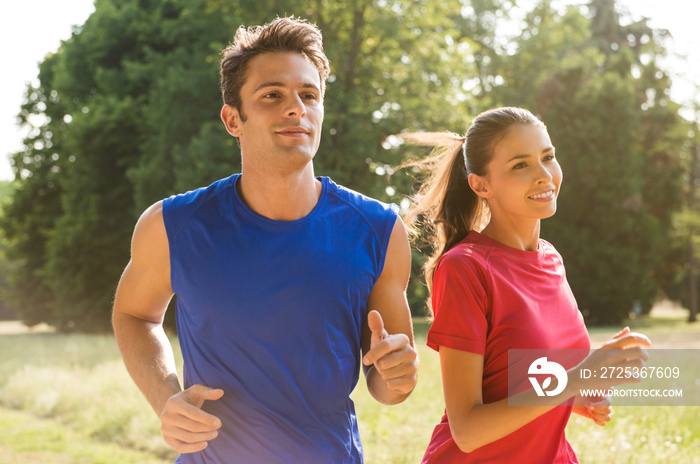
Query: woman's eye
x,y
520,166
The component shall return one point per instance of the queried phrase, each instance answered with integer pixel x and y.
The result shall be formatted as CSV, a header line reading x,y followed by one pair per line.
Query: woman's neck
x,y
523,236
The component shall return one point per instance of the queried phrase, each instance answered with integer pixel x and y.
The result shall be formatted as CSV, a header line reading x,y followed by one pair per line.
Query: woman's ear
x,y
479,185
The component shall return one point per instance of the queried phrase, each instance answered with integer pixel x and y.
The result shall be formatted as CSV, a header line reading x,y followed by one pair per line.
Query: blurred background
x,y
111,105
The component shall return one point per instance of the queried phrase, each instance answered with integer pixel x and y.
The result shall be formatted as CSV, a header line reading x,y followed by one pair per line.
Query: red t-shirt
x,y
489,298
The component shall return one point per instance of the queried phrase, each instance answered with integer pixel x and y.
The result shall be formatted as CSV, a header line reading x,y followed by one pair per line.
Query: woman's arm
x,y
474,424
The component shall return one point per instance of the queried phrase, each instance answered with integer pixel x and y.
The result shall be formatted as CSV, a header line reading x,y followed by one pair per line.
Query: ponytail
x,y
448,208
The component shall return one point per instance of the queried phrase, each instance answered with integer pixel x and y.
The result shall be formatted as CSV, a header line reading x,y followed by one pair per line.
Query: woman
x,y
497,286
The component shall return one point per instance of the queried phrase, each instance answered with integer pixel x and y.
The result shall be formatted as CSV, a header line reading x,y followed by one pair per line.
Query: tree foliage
x,y
127,112
121,100
596,84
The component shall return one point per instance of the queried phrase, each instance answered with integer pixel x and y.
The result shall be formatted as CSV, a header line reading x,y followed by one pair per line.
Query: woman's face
x,y
523,178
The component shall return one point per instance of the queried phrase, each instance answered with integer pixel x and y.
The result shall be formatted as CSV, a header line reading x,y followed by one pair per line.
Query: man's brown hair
x,y
287,34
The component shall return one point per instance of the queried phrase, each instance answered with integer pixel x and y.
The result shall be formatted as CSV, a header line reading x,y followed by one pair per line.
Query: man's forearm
x,y
148,356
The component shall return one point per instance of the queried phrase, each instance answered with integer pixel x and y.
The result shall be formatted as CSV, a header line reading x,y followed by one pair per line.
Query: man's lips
x,y
294,131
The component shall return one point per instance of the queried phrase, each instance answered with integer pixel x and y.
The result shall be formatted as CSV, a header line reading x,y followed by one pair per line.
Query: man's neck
x,y
280,196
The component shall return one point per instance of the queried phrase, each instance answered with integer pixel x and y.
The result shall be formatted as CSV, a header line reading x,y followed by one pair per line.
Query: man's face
x,y
282,105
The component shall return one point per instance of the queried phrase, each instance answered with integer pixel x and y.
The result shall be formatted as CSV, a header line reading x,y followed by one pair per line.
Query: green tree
x,y
597,85
119,95
682,280
32,209
605,233
6,310
127,112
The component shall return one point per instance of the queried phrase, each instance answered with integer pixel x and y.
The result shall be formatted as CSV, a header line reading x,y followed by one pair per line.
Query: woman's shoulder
x,y
548,250
470,253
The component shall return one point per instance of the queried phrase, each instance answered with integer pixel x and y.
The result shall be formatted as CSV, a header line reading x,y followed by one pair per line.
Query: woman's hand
x,y
598,409
622,356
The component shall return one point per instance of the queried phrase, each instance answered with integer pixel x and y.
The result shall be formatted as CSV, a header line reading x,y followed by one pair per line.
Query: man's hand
x,y
393,357
184,425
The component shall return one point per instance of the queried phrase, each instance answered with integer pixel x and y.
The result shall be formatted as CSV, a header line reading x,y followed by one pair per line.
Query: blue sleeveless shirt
x,y
271,312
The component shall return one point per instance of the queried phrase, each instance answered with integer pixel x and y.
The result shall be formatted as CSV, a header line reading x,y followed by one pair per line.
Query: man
x,y
282,279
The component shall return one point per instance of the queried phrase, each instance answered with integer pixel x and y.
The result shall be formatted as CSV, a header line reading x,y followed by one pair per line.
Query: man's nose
x,y
295,107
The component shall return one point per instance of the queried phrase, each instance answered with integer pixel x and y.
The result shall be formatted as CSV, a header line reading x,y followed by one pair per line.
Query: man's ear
x,y
232,120
479,185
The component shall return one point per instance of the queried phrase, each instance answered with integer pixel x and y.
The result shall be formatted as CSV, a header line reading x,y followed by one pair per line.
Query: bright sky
x,y
29,29
680,17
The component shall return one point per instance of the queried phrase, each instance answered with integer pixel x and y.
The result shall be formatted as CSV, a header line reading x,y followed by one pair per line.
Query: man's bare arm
x,y
387,339
141,300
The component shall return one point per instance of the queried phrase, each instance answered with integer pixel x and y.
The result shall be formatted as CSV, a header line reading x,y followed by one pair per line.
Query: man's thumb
x,y
376,326
197,394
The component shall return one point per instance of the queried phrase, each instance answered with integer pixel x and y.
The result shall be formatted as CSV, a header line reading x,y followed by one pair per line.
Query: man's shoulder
x,y
178,208
203,192
363,204
199,195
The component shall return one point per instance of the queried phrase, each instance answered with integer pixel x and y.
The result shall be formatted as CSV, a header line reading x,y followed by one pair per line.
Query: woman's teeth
x,y
542,196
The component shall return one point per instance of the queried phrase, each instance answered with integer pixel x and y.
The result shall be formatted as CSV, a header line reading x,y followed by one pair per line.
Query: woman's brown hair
x,y
447,206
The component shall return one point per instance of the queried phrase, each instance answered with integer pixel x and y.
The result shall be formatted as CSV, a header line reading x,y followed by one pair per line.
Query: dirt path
x,y
16,328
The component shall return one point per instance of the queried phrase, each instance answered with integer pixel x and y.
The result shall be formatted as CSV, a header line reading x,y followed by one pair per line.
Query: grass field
x,y
68,399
